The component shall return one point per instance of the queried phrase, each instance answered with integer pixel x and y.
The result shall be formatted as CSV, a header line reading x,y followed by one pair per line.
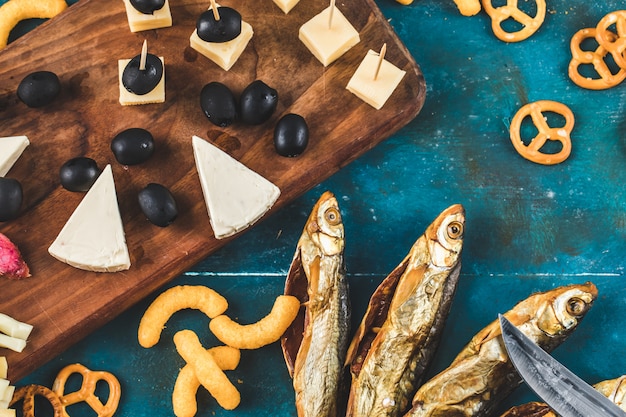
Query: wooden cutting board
x,y
82,46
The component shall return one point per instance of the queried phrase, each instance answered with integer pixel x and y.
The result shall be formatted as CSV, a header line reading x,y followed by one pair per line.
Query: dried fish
x,y
315,345
402,326
613,389
482,374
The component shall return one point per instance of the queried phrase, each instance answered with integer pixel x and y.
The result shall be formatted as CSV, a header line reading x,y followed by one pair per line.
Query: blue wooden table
x,y
529,227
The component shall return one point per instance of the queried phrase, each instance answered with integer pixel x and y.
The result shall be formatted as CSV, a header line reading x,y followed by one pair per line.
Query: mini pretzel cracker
x,y
206,369
187,384
28,393
535,110
607,78
172,300
614,43
263,332
468,7
87,391
510,11
14,11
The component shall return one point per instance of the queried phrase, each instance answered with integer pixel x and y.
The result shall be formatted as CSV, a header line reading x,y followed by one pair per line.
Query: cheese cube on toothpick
x,y
328,35
375,79
156,95
138,21
224,54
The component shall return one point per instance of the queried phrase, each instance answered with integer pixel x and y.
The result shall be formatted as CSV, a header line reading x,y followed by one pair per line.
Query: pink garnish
x,y
12,265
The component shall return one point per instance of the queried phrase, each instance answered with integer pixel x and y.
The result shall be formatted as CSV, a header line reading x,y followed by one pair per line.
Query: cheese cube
x,y
3,367
286,5
224,54
375,92
9,412
157,95
138,21
328,43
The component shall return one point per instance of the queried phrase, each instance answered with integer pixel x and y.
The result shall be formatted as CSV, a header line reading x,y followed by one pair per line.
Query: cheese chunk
x,y
4,367
10,150
93,238
138,21
328,44
286,5
6,397
235,196
224,54
157,95
375,92
10,412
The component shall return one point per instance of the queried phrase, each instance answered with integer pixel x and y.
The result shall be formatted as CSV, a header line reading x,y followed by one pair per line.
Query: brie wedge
x,y
93,238
235,196
10,150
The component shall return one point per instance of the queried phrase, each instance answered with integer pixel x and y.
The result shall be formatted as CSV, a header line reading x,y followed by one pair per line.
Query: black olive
x,y
257,103
139,81
291,135
227,28
147,6
158,204
10,198
218,103
39,88
132,146
79,174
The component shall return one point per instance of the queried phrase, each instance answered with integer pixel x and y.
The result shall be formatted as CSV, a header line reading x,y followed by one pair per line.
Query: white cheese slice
x,y
328,43
4,367
6,397
93,238
10,412
138,21
10,150
157,95
224,54
375,92
286,5
235,196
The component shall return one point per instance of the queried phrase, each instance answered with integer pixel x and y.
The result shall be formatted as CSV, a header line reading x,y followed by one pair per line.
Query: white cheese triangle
x,y
10,150
93,238
235,196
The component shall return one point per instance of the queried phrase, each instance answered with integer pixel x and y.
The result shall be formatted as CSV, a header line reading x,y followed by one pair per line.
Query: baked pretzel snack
x,y
87,393
510,11
14,11
596,58
28,393
613,42
536,111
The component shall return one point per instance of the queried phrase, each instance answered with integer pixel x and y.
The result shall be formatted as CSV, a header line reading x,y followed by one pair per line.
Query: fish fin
x,y
295,285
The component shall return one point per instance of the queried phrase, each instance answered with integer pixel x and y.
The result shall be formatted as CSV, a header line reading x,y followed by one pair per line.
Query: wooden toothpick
x,y
216,14
330,15
144,55
381,58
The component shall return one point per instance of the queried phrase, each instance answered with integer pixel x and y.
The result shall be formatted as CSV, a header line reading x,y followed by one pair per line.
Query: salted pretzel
x,y
596,58
28,393
536,111
613,42
86,393
510,11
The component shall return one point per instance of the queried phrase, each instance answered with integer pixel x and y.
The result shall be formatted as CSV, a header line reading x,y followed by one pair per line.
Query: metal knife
x,y
560,388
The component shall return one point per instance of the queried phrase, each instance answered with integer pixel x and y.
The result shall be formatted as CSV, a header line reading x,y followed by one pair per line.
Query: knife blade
x,y
560,388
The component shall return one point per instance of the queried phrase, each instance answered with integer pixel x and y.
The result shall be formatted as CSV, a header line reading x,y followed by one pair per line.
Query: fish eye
x,y
455,230
576,306
332,216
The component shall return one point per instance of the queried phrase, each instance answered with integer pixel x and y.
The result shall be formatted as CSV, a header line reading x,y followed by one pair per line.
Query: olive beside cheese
x,y
132,146
79,174
39,88
257,103
11,196
291,135
158,204
218,104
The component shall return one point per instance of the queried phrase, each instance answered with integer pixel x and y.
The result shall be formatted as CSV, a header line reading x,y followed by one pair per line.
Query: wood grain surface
x,y
82,46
